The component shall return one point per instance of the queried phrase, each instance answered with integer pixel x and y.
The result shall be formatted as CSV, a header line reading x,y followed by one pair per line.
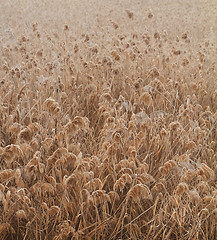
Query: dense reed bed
x,y
108,116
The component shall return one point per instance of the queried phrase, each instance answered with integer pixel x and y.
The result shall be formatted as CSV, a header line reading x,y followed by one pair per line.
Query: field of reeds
x,y
108,115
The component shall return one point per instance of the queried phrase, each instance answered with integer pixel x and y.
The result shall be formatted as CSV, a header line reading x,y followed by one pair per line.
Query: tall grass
x,y
108,116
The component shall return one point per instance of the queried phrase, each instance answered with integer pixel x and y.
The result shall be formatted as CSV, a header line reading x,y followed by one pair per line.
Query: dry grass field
x,y
108,113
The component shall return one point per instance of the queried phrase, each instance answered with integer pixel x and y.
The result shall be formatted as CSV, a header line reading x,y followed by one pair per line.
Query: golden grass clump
x,y
138,192
108,120
52,106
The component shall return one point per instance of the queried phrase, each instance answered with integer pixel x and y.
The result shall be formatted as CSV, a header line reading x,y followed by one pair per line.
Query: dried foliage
x,y
108,120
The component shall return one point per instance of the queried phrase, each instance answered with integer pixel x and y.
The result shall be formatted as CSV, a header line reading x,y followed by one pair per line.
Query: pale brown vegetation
x,y
108,115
